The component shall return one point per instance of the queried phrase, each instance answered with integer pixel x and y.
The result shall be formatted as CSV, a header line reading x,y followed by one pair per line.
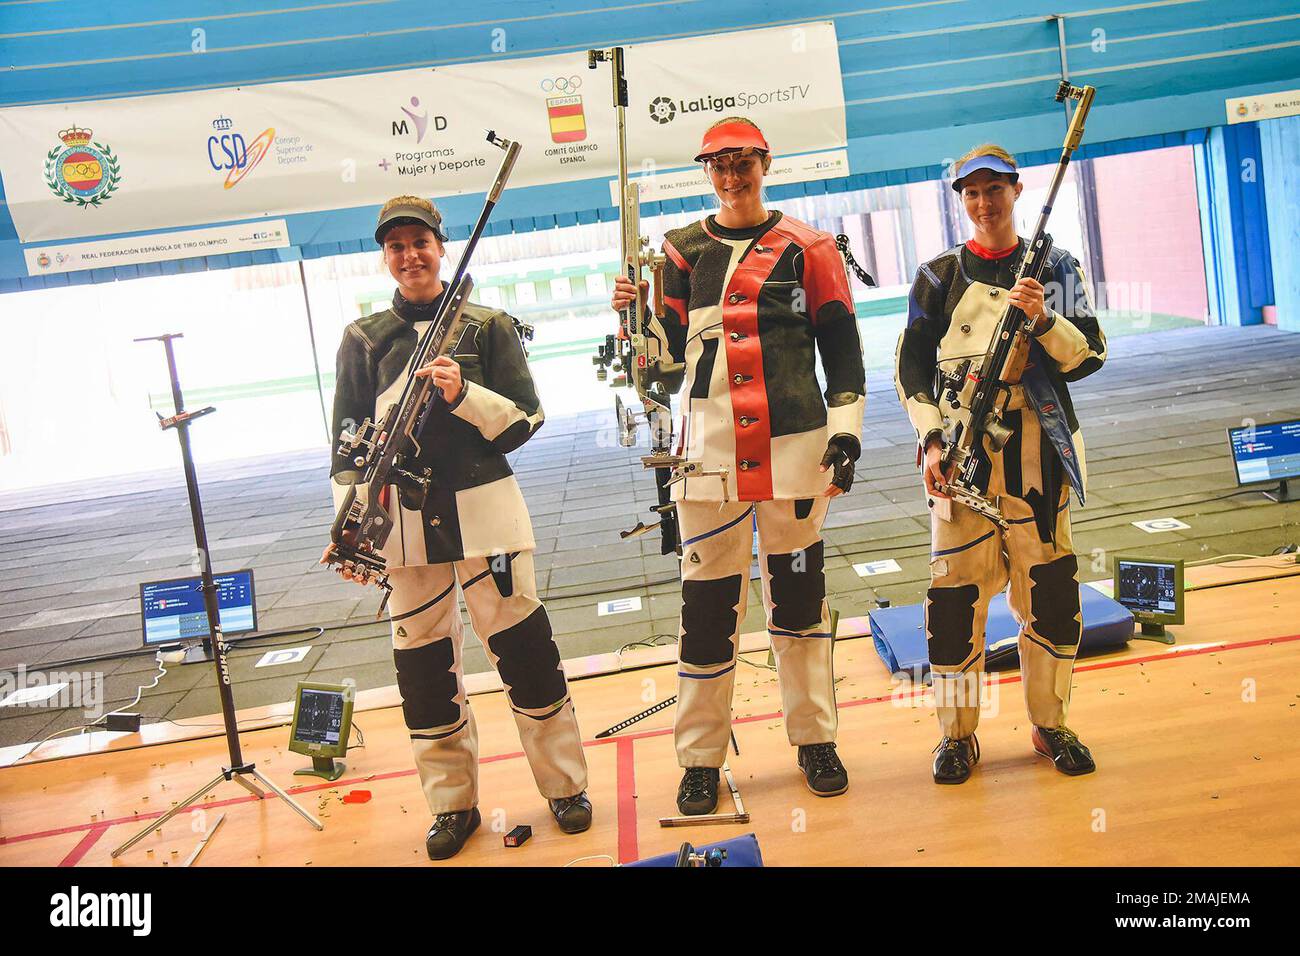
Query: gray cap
x,y
409,216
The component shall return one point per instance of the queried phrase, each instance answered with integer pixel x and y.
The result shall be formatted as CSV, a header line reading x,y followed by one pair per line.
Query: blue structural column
x,y
1234,225
1280,145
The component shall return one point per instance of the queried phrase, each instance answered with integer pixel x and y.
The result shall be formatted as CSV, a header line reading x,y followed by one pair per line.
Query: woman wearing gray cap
x,y
472,529
956,305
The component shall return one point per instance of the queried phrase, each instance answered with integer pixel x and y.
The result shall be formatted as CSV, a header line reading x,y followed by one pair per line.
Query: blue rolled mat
x,y
899,632
741,851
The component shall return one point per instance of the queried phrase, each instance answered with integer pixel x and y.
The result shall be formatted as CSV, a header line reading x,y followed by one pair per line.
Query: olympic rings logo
x,y
562,84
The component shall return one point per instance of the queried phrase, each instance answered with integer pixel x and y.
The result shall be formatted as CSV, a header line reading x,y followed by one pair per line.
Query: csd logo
x,y
227,151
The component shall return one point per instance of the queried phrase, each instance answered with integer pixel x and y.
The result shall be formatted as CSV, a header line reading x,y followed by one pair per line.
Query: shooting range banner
x,y
157,247
1263,106
182,159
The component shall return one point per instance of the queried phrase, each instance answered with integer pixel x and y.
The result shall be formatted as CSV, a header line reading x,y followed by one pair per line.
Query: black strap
x,y
842,244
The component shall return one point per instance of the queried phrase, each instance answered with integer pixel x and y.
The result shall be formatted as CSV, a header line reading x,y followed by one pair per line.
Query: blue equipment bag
x,y
899,632
741,851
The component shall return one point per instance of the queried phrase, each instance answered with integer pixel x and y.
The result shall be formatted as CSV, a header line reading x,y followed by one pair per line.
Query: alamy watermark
x,y
54,690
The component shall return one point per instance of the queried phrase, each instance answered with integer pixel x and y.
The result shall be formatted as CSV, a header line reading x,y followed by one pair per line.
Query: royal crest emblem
x,y
81,171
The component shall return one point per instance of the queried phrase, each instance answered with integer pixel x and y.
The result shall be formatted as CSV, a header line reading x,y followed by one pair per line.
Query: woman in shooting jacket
x,y
752,297
956,303
471,531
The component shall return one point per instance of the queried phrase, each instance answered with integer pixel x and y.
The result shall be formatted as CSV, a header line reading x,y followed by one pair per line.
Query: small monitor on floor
x,y
1267,453
1152,588
322,723
172,612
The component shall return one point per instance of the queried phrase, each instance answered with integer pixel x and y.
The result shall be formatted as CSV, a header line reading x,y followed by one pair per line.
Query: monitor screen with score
x,y
173,611
1263,453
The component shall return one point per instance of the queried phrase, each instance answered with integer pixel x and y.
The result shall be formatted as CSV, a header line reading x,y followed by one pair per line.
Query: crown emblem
x,y
222,123
75,136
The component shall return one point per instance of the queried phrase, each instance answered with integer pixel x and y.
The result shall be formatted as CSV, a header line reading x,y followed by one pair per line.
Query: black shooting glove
x,y
841,452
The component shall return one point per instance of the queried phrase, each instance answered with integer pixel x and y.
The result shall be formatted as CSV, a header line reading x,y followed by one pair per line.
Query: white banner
x,y
655,186
1262,106
179,159
158,247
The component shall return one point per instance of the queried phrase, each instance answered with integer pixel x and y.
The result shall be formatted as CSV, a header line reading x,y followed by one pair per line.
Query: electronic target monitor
x,y
1151,588
172,611
322,723
1266,453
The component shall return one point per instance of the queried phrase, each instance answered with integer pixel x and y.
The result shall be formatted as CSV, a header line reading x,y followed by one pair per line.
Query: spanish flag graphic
x,y
568,125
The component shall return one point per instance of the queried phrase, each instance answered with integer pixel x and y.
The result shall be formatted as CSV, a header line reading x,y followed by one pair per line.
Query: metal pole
x,y
209,587
1087,183
315,359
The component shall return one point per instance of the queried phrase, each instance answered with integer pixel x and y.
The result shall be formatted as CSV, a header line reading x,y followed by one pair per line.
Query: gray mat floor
x,y
72,557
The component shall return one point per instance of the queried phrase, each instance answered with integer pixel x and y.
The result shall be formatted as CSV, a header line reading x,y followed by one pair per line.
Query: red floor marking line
x,y
1173,654
82,848
627,845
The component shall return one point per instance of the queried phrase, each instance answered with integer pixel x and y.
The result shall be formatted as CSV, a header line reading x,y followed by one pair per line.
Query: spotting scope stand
x,y
238,771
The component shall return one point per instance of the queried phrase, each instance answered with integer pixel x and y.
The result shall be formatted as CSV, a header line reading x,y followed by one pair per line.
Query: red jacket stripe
x,y
752,422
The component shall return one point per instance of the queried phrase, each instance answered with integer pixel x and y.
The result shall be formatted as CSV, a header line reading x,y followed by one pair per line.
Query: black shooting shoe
x,y
573,814
822,770
1062,747
956,756
449,833
698,793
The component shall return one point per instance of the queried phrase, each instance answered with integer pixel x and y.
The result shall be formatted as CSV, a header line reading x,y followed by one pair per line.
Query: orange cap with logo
x,y
729,136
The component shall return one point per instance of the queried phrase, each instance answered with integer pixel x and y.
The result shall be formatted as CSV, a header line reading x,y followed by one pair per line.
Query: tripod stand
x,y
238,771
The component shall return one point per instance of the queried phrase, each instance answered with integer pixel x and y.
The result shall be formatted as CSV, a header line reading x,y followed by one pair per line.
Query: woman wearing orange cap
x,y
752,297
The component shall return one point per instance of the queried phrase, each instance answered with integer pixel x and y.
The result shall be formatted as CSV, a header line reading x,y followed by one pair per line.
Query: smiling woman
x,y
751,299
458,516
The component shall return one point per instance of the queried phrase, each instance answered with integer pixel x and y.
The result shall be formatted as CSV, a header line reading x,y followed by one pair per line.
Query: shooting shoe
x,y
956,757
449,833
573,814
1062,747
698,793
822,770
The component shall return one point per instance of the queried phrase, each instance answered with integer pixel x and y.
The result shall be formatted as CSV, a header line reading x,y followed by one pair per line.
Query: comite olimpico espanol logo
x,y
81,171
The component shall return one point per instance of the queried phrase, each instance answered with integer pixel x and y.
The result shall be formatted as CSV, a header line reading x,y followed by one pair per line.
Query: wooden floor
x,y
1196,746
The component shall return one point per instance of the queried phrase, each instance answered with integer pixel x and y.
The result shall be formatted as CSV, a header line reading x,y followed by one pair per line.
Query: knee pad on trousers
x,y
797,587
502,573
529,662
1054,601
709,620
950,624
427,683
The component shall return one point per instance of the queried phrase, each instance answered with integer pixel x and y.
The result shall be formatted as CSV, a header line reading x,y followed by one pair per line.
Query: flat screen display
x,y
1149,587
173,610
1263,453
320,716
